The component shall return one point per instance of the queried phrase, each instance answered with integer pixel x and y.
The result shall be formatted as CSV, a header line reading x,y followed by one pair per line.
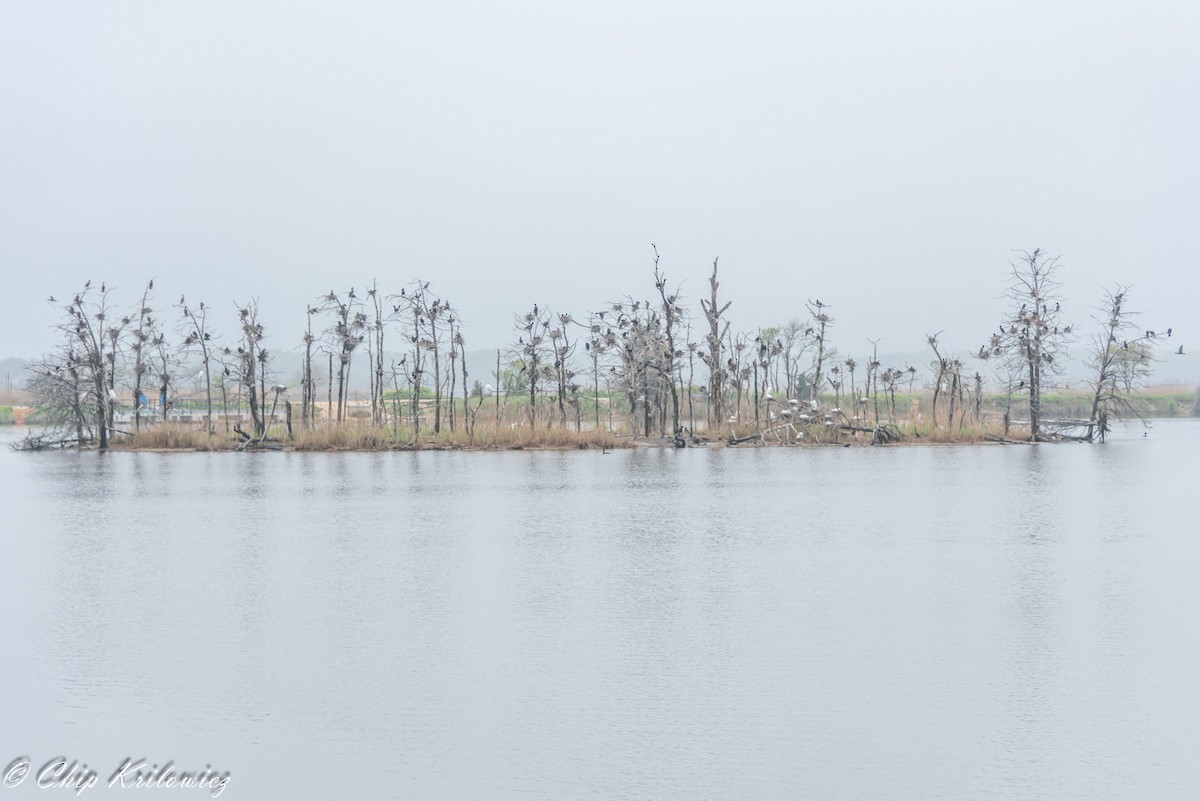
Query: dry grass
x,y
509,438
173,437
358,436
352,436
927,431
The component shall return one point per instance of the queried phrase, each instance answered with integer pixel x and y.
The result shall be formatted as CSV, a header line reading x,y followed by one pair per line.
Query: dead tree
x,y
564,349
530,354
462,355
819,332
199,337
851,365
672,313
409,309
1032,336
714,358
873,377
72,388
161,369
595,347
434,312
1121,357
88,354
59,394
347,332
941,366
377,330
499,376
141,336
228,364
308,387
794,344
691,383
250,363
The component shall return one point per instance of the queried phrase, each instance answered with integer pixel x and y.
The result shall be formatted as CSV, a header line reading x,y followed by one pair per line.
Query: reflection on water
x,y
927,622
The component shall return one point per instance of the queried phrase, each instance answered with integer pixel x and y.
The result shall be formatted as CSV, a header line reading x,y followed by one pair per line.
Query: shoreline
x,y
192,441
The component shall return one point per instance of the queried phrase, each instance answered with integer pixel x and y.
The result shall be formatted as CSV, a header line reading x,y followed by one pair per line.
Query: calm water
x,y
906,623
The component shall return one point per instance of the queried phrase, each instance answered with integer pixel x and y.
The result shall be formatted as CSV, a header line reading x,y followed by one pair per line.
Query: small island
x,y
631,373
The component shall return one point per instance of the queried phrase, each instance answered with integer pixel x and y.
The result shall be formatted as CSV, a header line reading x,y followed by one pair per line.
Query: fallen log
x,y
1006,440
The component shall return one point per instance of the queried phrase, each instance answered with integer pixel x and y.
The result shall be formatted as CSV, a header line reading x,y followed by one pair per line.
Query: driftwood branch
x,y
774,432
880,435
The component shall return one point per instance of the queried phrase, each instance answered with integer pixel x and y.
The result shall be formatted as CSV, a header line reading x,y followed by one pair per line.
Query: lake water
x,y
982,622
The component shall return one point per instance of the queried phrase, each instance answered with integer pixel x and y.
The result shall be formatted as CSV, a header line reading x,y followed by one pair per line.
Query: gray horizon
x,y
887,160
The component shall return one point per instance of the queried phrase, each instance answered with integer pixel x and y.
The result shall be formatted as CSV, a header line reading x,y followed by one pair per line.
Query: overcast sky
x,y
884,157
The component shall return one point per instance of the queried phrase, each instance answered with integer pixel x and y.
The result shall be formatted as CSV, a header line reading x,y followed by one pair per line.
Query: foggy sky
x,y
884,157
